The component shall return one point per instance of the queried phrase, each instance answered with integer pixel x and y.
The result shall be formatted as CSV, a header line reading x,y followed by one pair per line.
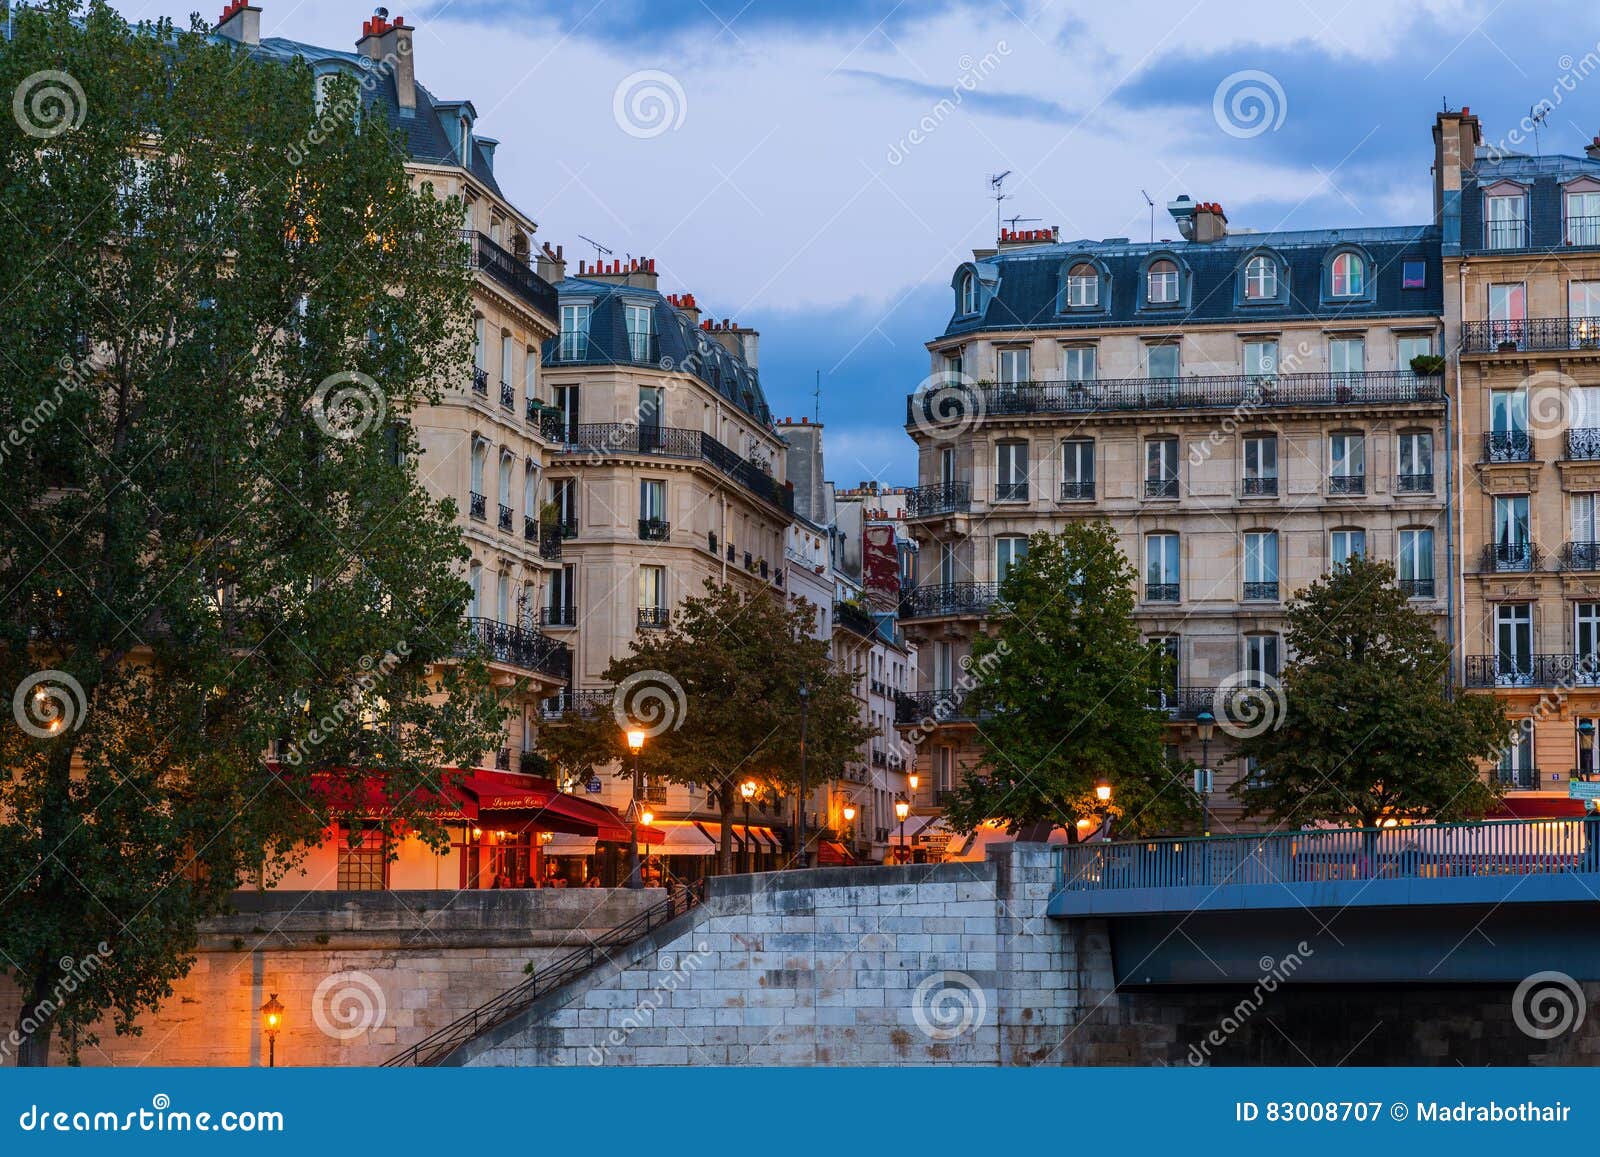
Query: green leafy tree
x,y
1368,730
718,694
1063,694
212,534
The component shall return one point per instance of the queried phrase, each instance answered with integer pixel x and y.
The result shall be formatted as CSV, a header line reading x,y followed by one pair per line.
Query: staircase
x,y
433,1049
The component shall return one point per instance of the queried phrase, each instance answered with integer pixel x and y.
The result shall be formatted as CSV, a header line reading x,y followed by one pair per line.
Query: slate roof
x,y
680,344
1544,177
1023,285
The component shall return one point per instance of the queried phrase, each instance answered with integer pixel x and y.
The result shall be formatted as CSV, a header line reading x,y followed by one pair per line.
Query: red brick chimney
x,y
388,45
240,21
638,272
552,263
1592,149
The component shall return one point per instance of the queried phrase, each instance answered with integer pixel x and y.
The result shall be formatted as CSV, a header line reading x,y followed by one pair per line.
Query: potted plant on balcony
x,y
1427,365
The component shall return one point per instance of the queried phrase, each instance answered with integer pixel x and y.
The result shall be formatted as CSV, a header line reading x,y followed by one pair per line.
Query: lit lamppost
x,y
748,790
646,818
849,813
635,745
1586,767
271,1021
800,801
902,808
1204,723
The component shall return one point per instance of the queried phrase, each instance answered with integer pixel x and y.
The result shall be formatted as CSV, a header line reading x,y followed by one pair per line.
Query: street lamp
x,y
1102,790
1586,748
800,801
635,745
748,790
913,779
271,1021
902,808
1205,722
848,811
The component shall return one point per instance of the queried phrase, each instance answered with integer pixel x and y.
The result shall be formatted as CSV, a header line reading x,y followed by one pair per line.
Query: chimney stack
x,y
1592,149
737,340
240,21
388,46
638,272
552,264
1016,238
1456,138
1202,221
685,304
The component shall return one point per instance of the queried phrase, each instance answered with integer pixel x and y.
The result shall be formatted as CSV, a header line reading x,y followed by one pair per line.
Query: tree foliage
x,y
718,694
206,546
1062,686
1369,731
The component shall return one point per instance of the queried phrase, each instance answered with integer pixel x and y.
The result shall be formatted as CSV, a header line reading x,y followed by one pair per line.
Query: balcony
x,y
534,409
479,507
1261,591
510,271
1347,484
1509,557
617,438
565,615
1415,588
507,519
1518,778
654,791
654,530
550,538
530,528
587,704
655,617
1259,487
1507,446
1583,444
1077,491
1582,231
508,396
480,382
1530,334
568,528
1161,488
575,348
855,618
1220,392
940,498
922,708
1413,483
516,646
1533,670
1011,492
1160,592
934,601
1505,234
553,425
1580,556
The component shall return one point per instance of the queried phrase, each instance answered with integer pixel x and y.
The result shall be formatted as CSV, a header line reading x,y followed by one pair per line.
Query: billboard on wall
x,y
880,561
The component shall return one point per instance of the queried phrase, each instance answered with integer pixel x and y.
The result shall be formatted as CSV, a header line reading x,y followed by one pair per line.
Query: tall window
x,y
650,406
1161,283
564,493
505,360
1414,563
1416,463
1347,355
1508,426
1586,639
1077,363
480,464
1513,548
1513,644
1505,222
1345,544
567,401
1583,218
475,582
1083,286
502,598
507,470
1347,463
1161,468
1261,358
1161,361
1011,472
1161,568
1013,365
530,374
640,343
574,332
1166,670
1412,346
1508,313
560,597
1009,549
1585,527
944,666
1583,302
652,500
948,566
1261,564
1348,276
1260,464
1516,767
969,294
480,354
530,490
1077,469
652,587
1261,279
1261,659
947,465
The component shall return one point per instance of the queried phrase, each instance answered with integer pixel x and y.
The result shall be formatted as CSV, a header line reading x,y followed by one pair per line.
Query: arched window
x,y
502,599
1261,279
1349,276
505,358
475,578
1083,286
506,463
969,293
530,490
530,374
479,355
1162,283
480,458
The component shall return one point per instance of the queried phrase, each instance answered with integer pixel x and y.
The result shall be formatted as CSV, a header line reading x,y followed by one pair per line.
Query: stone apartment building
x,y
1241,406
1521,244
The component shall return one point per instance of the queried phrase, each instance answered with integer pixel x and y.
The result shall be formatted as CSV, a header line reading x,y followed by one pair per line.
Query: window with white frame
x,y
1161,283
1414,562
652,587
1161,360
1011,471
1585,523
1261,279
1347,460
505,359
652,500
1513,643
1077,468
1261,659
1347,355
1261,564
1078,363
1348,276
1345,544
1411,346
1583,218
1416,462
1260,454
969,294
641,346
574,332
1505,221
1009,549
1161,468
1013,368
1083,286
1161,567
1261,358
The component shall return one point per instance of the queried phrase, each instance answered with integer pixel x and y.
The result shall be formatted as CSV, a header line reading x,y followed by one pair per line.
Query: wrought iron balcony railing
x,y
521,647
1580,556
507,518
550,538
568,527
1226,391
1582,231
921,708
1415,588
1507,446
508,396
1509,556
563,615
1413,483
1266,591
654,530
534,409
1259,486
1505,234
939,498
605,438
586,703
480,382
1161,488
1077,490
855,618
1583,443
935,600
1530,333
479,506
1525,778
1347,484
655,616
530,528
1160,592
1011,492
512,272
1532,670
553,425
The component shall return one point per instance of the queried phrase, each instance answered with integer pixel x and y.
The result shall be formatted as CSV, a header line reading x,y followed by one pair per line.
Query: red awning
x,y
362,792
1538,807
527,801
830,853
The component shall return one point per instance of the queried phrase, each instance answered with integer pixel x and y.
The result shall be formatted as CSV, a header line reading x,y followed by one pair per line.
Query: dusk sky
x,y
783,186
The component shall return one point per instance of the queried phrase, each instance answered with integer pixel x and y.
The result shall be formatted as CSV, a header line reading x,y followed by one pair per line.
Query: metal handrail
x,y
564,970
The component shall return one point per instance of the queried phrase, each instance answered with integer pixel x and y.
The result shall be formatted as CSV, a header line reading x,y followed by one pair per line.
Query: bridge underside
x,y
1438,944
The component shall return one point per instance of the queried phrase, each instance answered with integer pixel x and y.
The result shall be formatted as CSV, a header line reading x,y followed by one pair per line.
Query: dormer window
x,y
466,140
1083,287
1261,279
1349,276
969,293
1505,221
1161,286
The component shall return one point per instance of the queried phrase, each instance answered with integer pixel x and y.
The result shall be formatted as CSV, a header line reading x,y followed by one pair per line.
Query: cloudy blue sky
x,y
784,187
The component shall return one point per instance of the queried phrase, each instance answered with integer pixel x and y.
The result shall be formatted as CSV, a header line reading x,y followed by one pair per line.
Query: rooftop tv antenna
x,y
816,400
1538,114
997,183
1015,221
599,249
1148,200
